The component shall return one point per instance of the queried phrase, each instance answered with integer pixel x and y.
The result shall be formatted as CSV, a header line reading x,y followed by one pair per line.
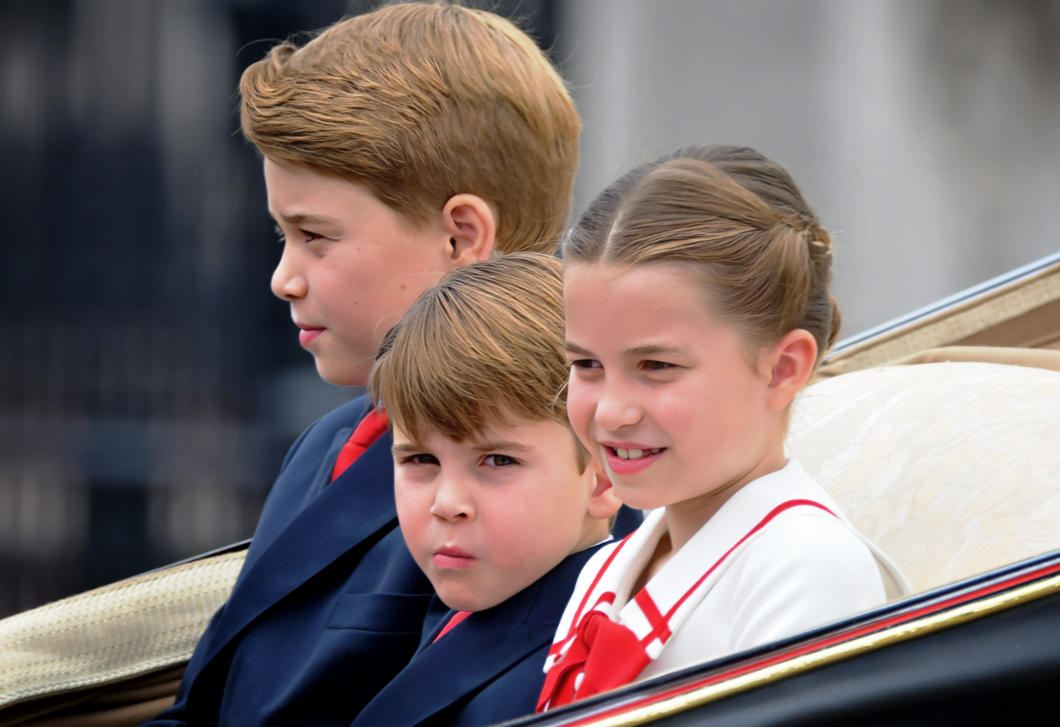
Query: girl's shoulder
x,y
809,540
803,572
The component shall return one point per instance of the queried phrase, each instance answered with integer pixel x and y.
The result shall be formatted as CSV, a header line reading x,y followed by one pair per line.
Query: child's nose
x,y
452,503
288,282
616,410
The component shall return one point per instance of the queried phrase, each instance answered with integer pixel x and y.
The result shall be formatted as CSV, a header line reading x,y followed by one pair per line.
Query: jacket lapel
x,y
322,480
315,538
261,542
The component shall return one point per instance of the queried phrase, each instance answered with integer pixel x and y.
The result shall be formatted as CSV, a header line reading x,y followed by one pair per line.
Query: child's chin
x,y
460,603
459,599
636,498
340,373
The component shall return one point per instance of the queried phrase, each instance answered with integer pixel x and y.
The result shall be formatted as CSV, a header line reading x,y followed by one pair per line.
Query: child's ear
x,y
471,223
603,503
790,364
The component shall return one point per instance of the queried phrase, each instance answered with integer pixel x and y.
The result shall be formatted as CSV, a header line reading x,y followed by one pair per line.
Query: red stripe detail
x,y
660,627
821,643
457,618
599,575
585,599
367,433
765,521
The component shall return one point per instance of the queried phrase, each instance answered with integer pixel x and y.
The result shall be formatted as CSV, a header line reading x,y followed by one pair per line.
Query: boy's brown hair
x,y
420,102
483,347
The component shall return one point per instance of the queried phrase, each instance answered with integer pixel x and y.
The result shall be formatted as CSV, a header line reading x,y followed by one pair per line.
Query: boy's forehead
x,y
516,434
299,195
299,190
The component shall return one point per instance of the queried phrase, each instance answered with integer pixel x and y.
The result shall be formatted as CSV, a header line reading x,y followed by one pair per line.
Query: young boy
x,y
397,146
498,502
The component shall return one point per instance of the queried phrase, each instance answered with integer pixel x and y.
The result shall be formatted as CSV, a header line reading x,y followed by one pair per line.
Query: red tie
x,y
367,433
456,619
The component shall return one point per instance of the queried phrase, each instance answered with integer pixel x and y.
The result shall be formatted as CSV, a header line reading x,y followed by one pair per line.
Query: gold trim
x,y
830,655
952,324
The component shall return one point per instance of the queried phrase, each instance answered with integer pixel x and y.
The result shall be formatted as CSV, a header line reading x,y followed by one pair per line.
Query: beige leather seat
x,y
952,468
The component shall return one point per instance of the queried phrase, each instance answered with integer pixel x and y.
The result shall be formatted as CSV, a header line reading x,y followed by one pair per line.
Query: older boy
x,y
398,146
498,502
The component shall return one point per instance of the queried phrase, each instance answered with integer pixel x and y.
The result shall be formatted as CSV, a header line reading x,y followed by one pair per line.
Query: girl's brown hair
x,y
731,216
483,347
420,102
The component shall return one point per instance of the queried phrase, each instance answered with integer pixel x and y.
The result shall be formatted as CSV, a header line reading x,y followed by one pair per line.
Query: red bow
x,y
606,655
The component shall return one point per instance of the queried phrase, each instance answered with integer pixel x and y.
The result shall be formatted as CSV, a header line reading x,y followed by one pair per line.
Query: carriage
x,y
937,433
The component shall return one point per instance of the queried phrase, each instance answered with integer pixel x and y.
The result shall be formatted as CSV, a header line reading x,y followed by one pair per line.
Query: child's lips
x,y
308,333
627,458
452,558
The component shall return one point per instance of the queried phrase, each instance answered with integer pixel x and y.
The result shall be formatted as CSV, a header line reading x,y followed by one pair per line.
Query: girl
x,y
697,304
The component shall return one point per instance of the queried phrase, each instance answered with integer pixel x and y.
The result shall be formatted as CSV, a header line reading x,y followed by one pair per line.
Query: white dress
x,y
777,559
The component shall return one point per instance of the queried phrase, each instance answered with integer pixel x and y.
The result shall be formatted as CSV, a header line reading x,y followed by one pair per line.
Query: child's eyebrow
x,y
301,219
571,348
406,448
511,446
653,349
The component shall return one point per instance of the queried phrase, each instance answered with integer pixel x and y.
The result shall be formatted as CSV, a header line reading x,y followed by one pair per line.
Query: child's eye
x,y
586,363
499,460
420,459
279,234
311,236
657,365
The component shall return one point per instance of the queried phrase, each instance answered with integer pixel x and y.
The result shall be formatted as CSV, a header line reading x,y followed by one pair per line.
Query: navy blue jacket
x,y
329,605
488,669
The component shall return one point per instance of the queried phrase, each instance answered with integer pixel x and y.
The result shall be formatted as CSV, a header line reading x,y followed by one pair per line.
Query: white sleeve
x,y
802,572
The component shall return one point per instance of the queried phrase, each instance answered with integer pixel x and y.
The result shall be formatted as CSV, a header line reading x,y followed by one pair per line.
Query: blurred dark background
x,y
150,384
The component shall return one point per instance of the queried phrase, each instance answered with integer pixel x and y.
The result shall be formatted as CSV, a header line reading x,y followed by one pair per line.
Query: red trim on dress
x,y
620,656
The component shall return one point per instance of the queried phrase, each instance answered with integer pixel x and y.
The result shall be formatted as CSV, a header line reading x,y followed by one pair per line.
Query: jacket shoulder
x,y
348,415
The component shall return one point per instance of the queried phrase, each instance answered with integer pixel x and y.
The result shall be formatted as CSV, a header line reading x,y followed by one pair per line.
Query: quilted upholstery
x,y
952,468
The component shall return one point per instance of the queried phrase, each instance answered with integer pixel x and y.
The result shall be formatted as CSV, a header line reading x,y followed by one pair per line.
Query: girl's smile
x,y
629,457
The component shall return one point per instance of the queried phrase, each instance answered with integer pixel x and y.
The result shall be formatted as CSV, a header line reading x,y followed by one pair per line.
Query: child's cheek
x,y
413,516
679,410
515,532
580,407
